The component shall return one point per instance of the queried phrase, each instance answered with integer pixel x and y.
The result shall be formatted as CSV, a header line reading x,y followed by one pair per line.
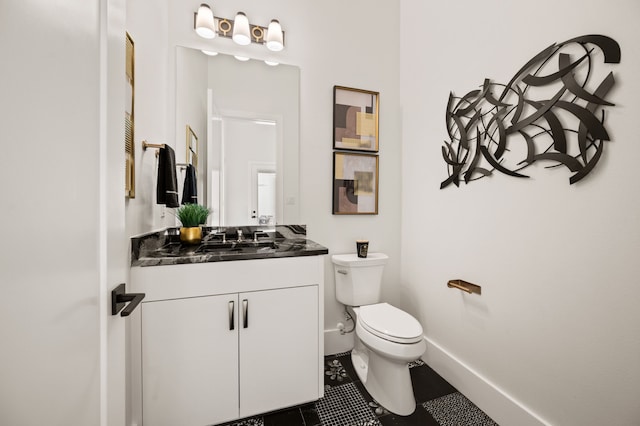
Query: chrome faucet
x,y
257,234
240,239
220,234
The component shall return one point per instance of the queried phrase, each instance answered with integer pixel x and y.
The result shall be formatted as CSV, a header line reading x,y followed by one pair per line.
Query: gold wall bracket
x,y
146,145
465,286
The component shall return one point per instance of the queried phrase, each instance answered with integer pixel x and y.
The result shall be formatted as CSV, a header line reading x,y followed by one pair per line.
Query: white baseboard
x,y
335,343
498,405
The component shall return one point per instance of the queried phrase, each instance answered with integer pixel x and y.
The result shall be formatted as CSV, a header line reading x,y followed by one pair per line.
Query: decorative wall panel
x,y
553,110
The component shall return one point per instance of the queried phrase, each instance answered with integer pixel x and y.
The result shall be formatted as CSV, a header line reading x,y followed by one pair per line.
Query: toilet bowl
x,y
387,338
382,353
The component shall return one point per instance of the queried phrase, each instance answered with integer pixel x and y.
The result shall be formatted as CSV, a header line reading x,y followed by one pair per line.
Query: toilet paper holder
x,y
465,286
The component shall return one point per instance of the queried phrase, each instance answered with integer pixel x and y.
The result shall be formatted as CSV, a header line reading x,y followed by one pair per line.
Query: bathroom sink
x,y
237,246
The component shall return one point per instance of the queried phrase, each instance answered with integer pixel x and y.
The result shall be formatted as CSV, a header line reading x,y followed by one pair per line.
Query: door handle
x,y
231,312
120,298
245,313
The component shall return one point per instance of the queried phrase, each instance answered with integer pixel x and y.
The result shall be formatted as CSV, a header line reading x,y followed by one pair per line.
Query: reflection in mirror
x,y
246,117
191,143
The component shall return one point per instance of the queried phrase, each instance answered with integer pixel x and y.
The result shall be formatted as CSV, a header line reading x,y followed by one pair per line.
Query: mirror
x,y
245,116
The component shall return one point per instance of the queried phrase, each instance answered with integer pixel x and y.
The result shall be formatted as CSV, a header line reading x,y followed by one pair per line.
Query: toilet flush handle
x,y
342,271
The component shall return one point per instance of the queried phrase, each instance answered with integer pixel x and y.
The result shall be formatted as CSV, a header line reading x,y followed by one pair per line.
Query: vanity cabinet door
x,y
190,361
279,352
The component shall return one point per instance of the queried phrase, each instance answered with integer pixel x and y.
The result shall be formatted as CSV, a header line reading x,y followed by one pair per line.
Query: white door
x,y
266,198
114,244
62,226
262,193
190,361
278,348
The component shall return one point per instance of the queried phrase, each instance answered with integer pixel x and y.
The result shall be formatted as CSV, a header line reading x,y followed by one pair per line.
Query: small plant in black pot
x,y
192,216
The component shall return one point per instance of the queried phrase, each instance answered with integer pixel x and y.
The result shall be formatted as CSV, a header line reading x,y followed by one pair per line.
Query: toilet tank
x,y
358,280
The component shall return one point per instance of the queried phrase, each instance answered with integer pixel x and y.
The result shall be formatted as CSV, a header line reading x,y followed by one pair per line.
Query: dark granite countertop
x,y
164,247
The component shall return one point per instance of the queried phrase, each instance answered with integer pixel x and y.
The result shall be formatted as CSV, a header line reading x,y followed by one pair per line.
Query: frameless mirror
x,y
245,118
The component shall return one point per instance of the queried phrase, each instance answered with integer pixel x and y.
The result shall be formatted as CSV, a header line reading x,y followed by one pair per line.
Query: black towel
x,y
167,189
190,190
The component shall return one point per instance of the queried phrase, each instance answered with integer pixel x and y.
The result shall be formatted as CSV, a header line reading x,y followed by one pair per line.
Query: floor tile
x,y
310,414
253,421
420,417
377,409
417,363
428,385
291,417
455,409
345,359
344,406
335,373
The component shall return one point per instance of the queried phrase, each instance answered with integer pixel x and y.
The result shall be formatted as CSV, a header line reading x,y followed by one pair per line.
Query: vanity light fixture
x,y
241,58
275,41
271,63
209,52
204,23
239,29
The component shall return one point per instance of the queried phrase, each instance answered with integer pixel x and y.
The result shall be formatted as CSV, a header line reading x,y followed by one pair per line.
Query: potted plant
x,y
192,216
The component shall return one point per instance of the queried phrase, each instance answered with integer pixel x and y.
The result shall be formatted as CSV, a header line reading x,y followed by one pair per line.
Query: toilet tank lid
x,y
352,259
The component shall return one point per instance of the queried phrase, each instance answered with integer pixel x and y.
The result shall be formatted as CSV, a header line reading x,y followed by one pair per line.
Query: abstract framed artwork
x,y
355,183
355,119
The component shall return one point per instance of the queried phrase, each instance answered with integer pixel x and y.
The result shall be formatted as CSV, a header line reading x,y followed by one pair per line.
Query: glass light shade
x,y
271,63
241,58
205,26
275,40
209,52
241,30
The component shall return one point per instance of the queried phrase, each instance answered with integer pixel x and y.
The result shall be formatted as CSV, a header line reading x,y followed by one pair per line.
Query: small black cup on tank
x,y
363,247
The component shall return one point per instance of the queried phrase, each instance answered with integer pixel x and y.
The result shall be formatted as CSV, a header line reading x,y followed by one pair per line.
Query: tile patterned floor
x,y
347,403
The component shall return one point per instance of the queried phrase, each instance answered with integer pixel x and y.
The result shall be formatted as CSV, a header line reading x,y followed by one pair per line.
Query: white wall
x,y
557,326
334,43
147,23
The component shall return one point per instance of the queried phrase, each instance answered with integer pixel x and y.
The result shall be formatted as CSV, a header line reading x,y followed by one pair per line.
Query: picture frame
x,y
192,148
355,119
129,121
355,183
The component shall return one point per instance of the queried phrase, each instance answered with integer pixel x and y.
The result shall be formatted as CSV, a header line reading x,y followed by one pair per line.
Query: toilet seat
x,y
390,323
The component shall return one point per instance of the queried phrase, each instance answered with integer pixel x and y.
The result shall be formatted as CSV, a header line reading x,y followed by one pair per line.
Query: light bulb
x,y
204,24
241,30
275,41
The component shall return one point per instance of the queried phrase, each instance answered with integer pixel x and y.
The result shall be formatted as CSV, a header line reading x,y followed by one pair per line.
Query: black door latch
x,y
119,299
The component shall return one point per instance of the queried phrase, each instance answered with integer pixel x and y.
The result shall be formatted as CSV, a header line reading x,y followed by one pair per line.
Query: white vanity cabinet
x,y
219,341
189,362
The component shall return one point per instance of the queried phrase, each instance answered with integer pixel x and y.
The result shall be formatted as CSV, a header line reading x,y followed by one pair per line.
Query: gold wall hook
x,y
465,286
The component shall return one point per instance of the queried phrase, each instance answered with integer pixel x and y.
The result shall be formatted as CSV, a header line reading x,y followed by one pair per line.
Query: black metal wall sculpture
x,y
504,128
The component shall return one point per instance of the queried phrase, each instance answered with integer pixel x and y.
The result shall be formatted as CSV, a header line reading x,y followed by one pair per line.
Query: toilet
x,y
387,338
